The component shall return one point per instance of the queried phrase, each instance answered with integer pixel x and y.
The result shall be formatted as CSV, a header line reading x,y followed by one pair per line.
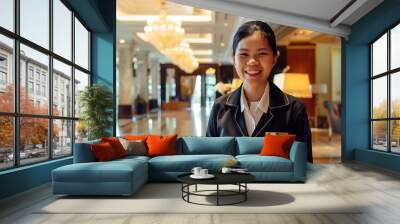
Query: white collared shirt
x,y
252,112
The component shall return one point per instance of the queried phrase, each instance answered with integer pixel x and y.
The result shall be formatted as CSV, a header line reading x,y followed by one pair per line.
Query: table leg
x,y
245,193
217,194
196,188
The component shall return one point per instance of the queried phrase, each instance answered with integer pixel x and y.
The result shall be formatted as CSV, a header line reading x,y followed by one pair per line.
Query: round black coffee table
x,y
238,179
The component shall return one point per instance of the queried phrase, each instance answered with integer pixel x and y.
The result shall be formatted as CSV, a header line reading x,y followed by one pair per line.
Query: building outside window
x,y
30,72
3,78
43,90
30,87
37,75
3,72
385,95
34,81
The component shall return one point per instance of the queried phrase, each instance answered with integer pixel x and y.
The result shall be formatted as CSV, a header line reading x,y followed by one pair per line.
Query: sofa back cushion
x,y
249,145
104,152
277,145
161,145
116,145
83,153
206,145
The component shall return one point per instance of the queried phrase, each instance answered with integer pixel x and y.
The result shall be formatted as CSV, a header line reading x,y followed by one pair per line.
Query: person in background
x,y
258,105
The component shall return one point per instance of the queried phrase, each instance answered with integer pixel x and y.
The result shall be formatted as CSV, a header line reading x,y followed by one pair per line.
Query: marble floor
x,y
376,189
193,122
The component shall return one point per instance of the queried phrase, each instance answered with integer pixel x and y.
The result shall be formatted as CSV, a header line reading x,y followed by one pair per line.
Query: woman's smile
x,y
253,72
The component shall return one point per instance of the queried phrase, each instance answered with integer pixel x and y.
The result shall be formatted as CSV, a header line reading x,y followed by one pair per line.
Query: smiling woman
x,y
258,106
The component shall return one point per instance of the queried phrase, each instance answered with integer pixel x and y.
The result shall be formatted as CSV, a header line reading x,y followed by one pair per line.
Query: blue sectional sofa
x,y
125,176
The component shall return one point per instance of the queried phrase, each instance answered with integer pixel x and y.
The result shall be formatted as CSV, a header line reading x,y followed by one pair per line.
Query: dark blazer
x,y
285,114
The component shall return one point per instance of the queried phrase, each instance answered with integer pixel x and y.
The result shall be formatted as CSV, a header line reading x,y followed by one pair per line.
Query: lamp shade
x,y
295,84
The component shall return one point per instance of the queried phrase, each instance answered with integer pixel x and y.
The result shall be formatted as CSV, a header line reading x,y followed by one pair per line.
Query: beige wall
x,y
328,71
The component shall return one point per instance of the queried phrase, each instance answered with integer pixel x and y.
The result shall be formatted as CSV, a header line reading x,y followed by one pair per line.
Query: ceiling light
x,y
222,44
202,38
204,60
182,56
122,41
207,52
163,33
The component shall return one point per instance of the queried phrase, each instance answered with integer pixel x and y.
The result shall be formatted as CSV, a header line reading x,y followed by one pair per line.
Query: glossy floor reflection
x,y
193,122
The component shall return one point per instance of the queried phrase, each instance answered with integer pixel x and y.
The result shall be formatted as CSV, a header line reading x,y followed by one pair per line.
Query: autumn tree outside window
x,y
44,64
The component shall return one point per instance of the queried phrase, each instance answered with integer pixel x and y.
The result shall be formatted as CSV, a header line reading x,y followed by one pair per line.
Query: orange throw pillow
x,y
161,145
277,145
135,137
116,145
103,152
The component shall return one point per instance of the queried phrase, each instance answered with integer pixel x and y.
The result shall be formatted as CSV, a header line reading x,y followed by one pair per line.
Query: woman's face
x,y
254,59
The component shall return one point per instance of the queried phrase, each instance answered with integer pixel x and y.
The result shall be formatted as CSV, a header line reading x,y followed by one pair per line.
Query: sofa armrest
x,y
298,155
83,152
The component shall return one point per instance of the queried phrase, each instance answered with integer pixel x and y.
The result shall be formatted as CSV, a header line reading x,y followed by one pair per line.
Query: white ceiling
x,y
227,15
316,15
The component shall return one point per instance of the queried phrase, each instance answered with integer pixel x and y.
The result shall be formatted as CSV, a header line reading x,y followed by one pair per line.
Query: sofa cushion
x,y
206,145
249,145
185,163
161,145
116,145
277,145
257,163
134,147
83,153
103,152
112,171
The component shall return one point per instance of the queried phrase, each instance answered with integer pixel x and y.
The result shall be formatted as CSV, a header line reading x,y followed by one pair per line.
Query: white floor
x,y
376,189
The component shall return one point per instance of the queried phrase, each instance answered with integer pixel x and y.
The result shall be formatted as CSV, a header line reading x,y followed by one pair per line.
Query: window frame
x,y
388,74
16,114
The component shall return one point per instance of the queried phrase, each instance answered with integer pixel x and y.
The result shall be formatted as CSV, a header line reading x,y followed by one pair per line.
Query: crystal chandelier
x,y
163,33
182,56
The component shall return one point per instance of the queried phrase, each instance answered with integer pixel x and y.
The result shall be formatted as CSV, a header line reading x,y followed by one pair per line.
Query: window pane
x,y
34,97
6,74
81,81
395,47
62,138
62,29
395,94
81,131
379,135
6,142
33,139
395,138
7,14
379,97
379,55
81,45
35,21
62,89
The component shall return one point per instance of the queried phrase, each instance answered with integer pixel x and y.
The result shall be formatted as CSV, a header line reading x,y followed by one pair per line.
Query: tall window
x,y
40,56
385,94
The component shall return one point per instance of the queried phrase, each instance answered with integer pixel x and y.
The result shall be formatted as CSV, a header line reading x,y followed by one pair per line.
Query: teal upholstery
x,y
119,177
206,145
298,155
259,163
184,163
83,152
126,175
249,145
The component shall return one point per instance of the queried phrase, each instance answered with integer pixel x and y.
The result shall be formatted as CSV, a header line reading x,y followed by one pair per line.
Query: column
x,y
125,70
141,81
155,82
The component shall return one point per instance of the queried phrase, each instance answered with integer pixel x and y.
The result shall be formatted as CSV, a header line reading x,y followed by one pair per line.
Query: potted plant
x,y
96,103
